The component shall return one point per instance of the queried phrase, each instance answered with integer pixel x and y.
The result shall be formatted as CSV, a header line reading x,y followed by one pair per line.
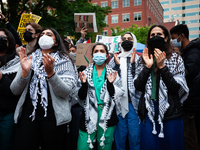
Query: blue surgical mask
x,y
99,58
175,43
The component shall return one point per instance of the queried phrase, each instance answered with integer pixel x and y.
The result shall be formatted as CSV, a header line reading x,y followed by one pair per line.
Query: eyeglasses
x,y
128,38
3,38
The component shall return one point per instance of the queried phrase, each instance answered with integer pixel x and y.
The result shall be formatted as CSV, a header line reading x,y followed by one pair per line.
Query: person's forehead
x,y
174,35
2,33
98,47
47,31
157,30
127,35
29,27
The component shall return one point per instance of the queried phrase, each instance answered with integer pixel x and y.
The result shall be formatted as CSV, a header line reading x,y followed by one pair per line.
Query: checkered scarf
x,y
131,88
91,107
11,67
176,67
62,66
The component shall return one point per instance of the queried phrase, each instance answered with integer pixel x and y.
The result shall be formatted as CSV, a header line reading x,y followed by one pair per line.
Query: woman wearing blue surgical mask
x,y
46,81
100,92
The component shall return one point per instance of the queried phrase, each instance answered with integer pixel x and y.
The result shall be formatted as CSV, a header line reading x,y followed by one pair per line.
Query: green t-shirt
x,y
98,83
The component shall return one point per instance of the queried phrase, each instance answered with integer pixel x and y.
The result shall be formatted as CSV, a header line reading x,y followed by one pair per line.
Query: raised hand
x,y
133,55
116,58
48,63
82,77
112,77
148,61
25,62
160,58
2,17
83,33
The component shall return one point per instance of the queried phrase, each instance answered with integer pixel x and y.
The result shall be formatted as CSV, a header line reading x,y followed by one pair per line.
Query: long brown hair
x,y
167,47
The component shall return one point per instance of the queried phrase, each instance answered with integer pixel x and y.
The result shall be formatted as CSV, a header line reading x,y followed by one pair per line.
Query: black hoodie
x,y
191,58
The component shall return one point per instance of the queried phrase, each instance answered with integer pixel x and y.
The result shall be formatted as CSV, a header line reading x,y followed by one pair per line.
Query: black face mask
x,y
157,42
28,36
127,45
3,44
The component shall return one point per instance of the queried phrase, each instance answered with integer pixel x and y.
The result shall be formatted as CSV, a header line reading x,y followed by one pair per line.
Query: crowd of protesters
x,y
119,101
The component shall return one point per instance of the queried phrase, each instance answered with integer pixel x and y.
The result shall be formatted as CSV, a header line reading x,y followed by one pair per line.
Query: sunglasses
x,y
3,38
129,39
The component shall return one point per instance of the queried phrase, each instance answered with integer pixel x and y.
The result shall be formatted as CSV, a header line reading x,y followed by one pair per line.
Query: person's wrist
x,y
24,74
51,74
148,66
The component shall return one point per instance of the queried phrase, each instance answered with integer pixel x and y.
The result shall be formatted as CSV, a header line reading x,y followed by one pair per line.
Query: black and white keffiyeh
x,y
38,85
91,107
176,67
11,67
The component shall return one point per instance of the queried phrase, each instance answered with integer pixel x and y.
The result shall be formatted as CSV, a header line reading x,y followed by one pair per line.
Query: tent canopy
x,y
140,47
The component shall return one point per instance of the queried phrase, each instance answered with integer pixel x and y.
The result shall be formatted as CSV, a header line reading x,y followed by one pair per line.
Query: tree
x,y
139,32
58,14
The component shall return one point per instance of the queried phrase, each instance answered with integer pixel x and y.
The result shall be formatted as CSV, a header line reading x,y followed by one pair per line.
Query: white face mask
x,y
45,42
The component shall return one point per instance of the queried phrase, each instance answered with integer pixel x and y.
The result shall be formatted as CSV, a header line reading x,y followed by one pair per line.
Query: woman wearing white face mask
x,y
100,91
45,81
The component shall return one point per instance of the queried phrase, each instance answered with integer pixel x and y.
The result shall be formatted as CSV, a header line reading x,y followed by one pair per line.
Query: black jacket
x,y
175,110
191,58
8,100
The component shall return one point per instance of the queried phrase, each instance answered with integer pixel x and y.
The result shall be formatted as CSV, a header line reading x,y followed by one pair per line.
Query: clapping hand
x,y
112,77
82,76
116,58
133,55
25,62
160,58
148,61
48,63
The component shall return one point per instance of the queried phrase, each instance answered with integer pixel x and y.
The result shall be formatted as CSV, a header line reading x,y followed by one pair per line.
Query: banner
x,y
112,42
22,24
87,20
84,53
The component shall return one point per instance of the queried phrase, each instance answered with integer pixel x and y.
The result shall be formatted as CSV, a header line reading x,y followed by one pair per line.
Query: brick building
x,y
128,12
186,11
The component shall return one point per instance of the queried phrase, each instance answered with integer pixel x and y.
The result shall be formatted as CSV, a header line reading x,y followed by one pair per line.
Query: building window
x,y
176,8
166,9
94,4
125,18
164,3
137,16
137,2
147,2
193,29
176,15
192,14
194,36
104,33
189,0
125,3
192,6
114,4
106,20
166,17
104,4
176,1
114,19
192,21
